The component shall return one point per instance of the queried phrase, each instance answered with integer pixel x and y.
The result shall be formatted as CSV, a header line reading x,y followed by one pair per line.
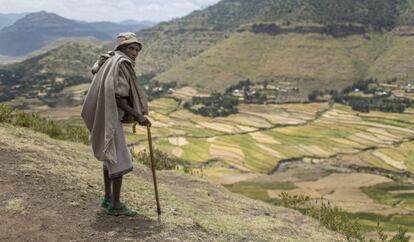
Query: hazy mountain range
x,y
36,30
7,19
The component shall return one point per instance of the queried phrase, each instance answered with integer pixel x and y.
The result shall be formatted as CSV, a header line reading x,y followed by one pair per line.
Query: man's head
x,y
131,50
129,44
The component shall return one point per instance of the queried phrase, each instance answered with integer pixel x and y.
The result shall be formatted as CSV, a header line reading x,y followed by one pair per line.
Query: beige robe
x,y
115,76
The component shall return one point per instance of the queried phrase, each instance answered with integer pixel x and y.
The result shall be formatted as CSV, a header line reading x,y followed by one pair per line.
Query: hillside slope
x,y
169,43
7,19
66,65
306,56
47,182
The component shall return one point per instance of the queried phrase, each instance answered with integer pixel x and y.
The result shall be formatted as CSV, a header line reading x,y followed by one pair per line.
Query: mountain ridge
x,y
42,28
7,19
173,42
310,57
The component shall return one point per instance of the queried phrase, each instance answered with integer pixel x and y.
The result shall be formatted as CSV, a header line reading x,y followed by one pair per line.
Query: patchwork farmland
x,y
357,161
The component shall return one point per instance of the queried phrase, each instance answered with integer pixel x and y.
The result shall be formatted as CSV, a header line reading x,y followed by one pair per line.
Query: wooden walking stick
x,y
154,177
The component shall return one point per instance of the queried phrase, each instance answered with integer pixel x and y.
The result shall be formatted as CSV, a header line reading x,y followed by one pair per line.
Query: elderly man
x,y
115,97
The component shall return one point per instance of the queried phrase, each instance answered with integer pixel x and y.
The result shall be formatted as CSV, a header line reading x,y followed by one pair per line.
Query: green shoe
x,y
122,210
105,202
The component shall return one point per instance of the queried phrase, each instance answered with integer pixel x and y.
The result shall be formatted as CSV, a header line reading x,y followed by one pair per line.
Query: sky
x,y
108,10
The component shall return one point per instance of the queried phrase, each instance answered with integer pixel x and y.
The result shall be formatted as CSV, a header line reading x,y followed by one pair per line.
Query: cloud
x,y
109,10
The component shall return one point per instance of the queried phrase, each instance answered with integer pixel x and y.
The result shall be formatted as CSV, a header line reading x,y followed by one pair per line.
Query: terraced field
x,y
259,137
239,140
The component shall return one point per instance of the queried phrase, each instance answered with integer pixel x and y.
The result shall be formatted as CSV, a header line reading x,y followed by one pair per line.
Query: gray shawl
x,y
100,112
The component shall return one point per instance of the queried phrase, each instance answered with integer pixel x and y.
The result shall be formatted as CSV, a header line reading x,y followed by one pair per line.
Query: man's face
x,y
132,50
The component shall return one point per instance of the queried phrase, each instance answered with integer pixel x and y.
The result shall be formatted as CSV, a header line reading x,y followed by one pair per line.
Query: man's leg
x,y
116,191
116,208
107,183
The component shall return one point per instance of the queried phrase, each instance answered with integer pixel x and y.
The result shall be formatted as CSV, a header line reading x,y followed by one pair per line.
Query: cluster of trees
x,y
14,83
156,89
364,103
241,85
362,86
256,97
250,96
220,105
332,94
10,77
375,13
76,80
215,105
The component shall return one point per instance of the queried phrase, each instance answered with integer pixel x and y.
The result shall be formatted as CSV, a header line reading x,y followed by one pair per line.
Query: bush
x,y
399,237
314,95
78,134
335,218
331,217
215,105
162,160
39,124
5,113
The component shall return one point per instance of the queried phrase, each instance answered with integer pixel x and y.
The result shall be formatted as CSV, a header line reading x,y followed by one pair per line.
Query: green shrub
x,y
53,130
21,119
331,217
39,124
399,237
161,159
5,113
335,218
78,134
292,201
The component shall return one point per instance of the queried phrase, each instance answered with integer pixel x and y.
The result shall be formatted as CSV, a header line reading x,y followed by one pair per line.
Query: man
x,y
115,97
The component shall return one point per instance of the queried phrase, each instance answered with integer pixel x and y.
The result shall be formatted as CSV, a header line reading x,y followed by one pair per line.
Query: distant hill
x,y
170,43
7,19
143,23
36,30
66,65
113,29
307,56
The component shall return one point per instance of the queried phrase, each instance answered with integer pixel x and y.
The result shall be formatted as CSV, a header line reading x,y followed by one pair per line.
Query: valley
x,y
360,162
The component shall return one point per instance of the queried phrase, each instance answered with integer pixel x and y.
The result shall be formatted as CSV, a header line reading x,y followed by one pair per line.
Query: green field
x,y
250,141
393,194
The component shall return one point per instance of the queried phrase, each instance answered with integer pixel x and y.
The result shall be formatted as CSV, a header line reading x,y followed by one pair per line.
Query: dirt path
x,y
41,207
